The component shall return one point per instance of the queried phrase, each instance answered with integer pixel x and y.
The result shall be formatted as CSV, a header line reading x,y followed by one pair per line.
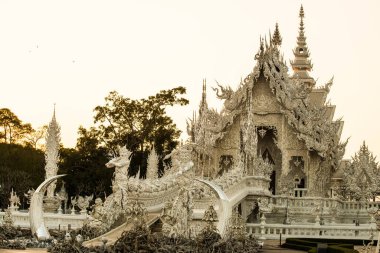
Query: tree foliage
x,y
85,167
35,136
21,164
12,130
139,125
21,168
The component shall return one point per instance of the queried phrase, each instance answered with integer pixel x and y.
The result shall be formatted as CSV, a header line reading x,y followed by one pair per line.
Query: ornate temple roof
x,y
303,106
302,64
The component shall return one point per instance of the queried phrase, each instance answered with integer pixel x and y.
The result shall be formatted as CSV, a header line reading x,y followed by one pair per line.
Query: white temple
x,y
273,154
279,117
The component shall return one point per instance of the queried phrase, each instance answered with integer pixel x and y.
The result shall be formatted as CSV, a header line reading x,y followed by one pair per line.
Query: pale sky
x,y
73,53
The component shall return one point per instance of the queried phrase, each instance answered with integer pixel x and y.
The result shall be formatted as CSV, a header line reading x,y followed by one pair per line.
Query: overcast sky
x,y
73,53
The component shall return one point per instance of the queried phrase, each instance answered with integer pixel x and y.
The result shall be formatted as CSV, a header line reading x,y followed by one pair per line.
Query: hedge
x,y
337,241
310,245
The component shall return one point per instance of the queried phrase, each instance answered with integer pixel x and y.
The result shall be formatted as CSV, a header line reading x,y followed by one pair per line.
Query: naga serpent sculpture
x,y
225,211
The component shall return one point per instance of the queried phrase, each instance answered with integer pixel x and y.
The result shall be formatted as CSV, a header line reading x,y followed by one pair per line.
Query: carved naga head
x,y
225,92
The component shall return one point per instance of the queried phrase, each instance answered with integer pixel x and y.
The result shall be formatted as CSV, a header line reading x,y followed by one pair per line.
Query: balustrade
x,y
273,231
347,207
300,192
52,220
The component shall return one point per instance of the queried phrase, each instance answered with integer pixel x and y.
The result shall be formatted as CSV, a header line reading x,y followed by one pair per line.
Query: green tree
x,y
85,167
21,168
12,130
139,124
35,136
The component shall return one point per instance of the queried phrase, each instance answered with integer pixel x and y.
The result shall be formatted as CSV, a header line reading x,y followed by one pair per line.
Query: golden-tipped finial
x,y
277,40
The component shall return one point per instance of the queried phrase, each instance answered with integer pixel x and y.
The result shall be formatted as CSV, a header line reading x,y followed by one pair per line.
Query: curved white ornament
x,y
36,214
225,211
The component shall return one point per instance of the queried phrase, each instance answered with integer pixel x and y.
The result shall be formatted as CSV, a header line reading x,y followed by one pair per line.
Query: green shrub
x,y
336,248
296,246
310,245
336,241
341,248
298,241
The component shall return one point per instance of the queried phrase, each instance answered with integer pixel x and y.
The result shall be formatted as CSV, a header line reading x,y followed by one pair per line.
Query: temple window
x,y
297,162
225,164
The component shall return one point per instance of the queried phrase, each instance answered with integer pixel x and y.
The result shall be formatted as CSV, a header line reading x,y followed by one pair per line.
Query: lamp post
x,y
286,220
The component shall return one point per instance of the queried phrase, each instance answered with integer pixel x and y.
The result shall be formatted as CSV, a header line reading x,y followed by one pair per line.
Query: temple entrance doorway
x,y
268,150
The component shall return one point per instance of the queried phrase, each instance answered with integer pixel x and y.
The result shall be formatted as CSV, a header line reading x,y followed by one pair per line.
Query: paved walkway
x,y
274,246
269,246
23,251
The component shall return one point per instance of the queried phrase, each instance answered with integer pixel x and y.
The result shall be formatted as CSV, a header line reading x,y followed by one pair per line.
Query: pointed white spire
x,y
53,139
203,105
152,168
277,39
302,64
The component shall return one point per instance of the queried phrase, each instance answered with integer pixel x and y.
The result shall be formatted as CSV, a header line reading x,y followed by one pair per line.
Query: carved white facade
x,y
361,176
279,117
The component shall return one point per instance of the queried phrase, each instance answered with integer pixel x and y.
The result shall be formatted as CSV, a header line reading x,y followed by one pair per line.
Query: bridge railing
x,y
273,231
347,207
52,220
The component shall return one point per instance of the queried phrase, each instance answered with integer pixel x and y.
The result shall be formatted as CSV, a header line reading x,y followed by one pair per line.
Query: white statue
x,y
152,168
62,195
121,165
14,201
97,209
177,214
84,202
114,204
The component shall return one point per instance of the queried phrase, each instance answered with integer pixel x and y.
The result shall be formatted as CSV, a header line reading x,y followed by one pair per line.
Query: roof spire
x,y
276,39
204,91
54,111
53,139
302,13
301,64
203,104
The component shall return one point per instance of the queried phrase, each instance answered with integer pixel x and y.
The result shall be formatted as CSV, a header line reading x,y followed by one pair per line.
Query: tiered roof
x,y
304,107
302,64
